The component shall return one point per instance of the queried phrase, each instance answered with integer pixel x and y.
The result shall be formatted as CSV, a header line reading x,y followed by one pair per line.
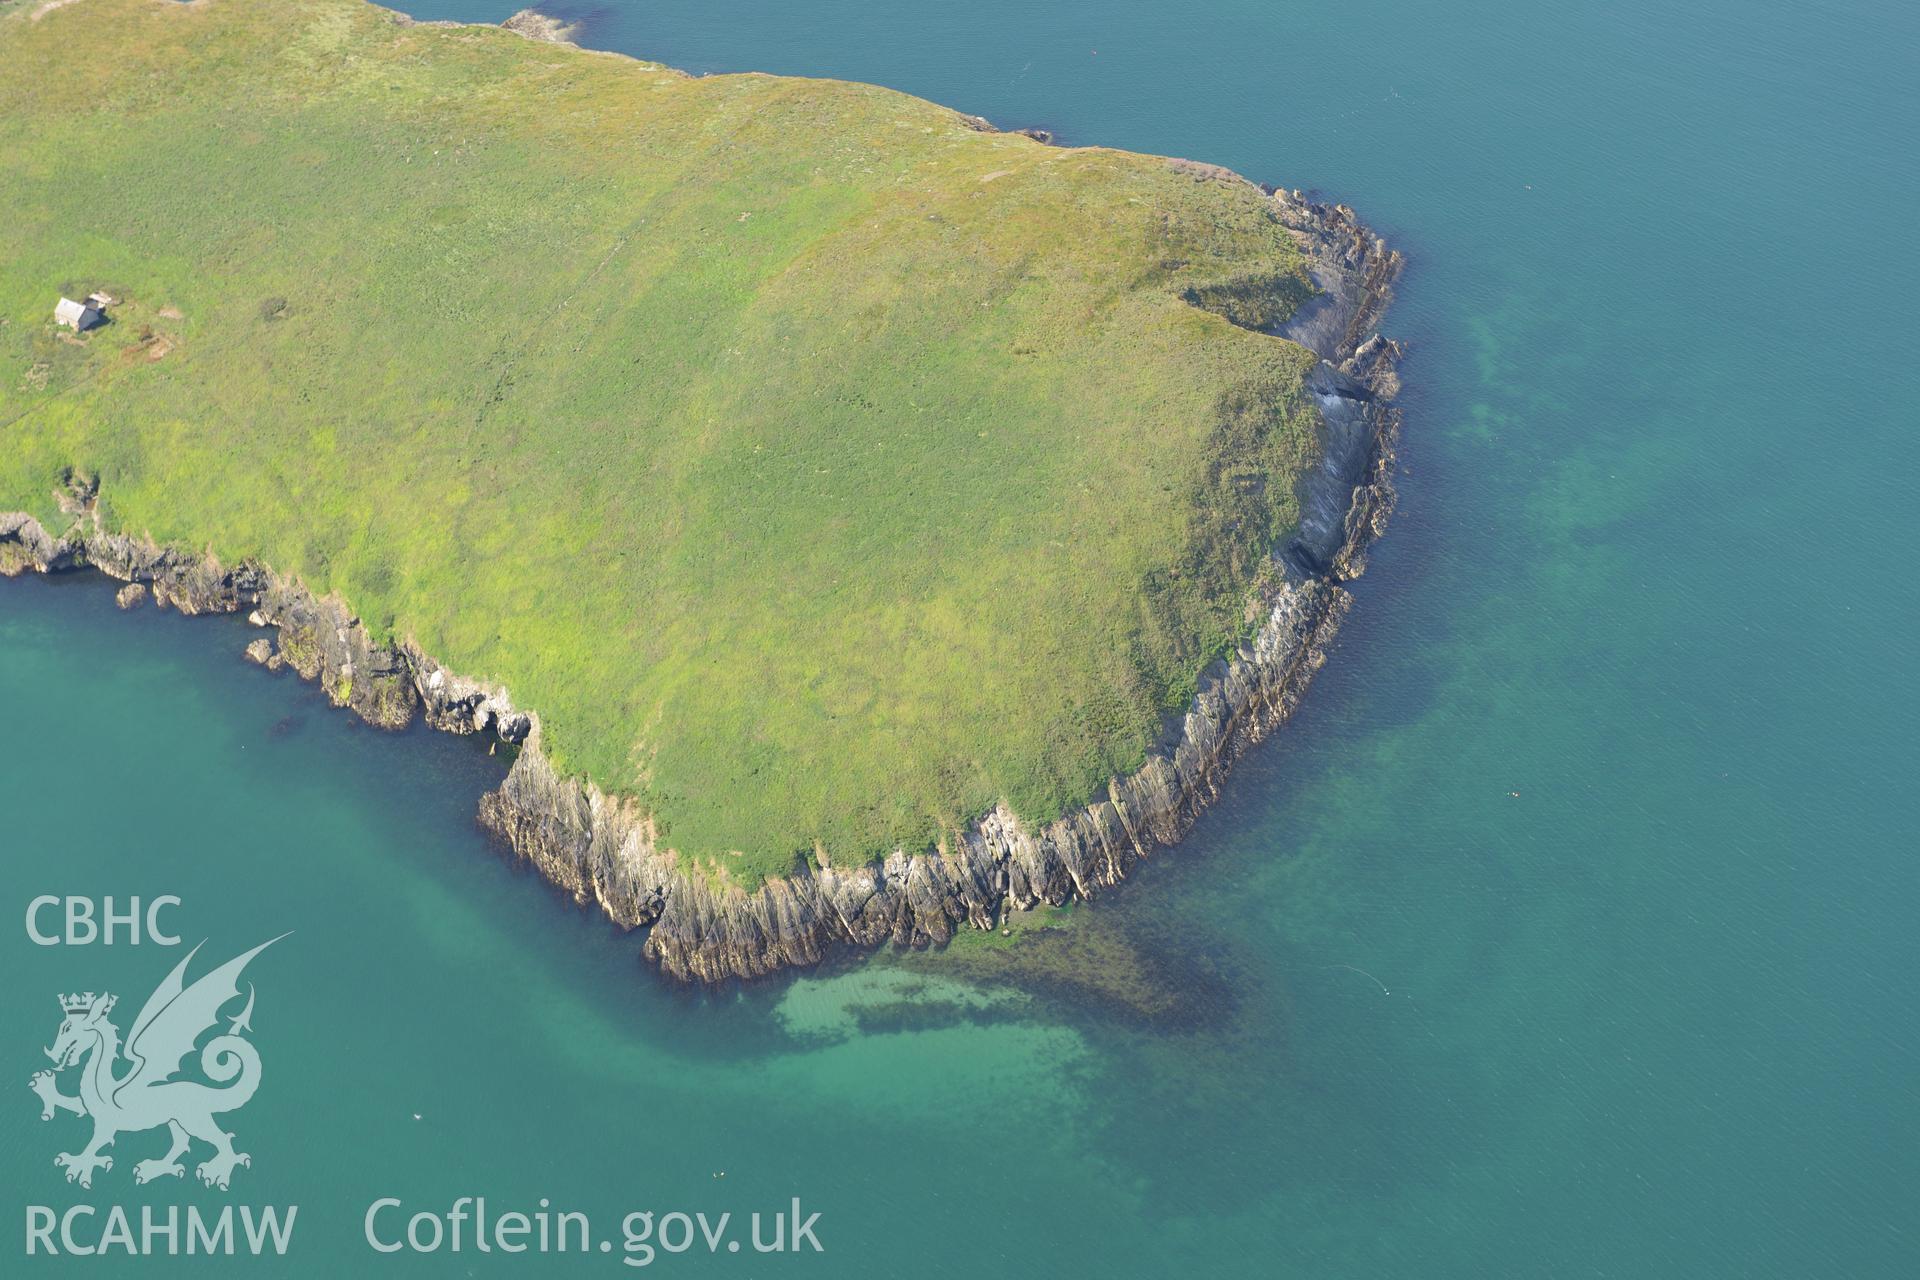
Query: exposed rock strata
x,y
535,25
319,638
602,849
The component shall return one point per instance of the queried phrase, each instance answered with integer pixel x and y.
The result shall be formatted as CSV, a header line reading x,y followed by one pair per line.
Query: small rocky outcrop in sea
x,y
535,25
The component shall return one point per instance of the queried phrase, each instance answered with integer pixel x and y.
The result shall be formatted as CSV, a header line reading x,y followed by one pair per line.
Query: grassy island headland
x,y
824,467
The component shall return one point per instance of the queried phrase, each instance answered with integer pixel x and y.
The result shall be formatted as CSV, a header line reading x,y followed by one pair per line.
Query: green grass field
x,y
822,468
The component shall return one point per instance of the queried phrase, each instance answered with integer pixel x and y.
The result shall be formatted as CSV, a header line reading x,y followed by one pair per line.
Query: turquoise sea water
x,y
1654,1015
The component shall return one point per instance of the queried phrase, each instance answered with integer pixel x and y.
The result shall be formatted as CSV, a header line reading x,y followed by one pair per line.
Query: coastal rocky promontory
x,y
1266,304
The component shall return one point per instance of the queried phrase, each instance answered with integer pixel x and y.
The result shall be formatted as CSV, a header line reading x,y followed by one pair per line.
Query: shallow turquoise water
x,y
1654,1016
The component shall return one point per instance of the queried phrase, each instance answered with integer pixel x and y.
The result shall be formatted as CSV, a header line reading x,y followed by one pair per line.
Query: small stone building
x,y
80,316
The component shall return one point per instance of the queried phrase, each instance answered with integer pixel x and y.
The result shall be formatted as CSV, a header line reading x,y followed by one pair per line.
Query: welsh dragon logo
x,y
146,1095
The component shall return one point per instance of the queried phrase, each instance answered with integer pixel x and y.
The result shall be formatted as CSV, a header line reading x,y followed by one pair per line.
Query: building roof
x,y
77,314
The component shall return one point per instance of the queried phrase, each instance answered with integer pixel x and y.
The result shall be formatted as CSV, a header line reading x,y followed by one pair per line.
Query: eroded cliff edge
x,y
602,850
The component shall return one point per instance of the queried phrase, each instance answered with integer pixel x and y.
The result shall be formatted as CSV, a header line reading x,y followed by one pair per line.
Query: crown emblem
x,y
83,1001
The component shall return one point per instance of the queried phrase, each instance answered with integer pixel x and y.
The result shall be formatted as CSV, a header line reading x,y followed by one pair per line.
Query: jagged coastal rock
x,y
601,849
539,26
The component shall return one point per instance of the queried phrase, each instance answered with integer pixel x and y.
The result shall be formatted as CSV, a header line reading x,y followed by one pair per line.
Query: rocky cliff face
x,y
602,849
322,639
